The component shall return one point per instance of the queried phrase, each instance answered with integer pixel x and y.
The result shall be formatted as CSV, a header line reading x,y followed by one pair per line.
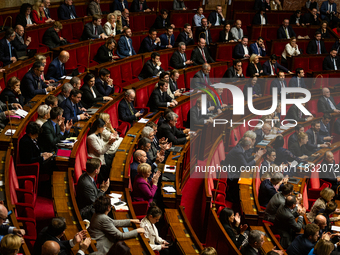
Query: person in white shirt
x,y
237,31
291,49
198,17
110,25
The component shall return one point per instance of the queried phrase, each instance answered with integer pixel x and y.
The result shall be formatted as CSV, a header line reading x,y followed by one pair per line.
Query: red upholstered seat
x,y
140,208
218,72
312,106
178,111
225,52
179,19
81,158
315,63
143,97
138,23
2,84
82,56
234,137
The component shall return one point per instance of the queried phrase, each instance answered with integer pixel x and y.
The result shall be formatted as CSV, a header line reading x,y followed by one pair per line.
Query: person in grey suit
x,y
93,30
285,223
326,103
237,31
255,241
65,92
87,189
201,78
104,229
94,8
195,117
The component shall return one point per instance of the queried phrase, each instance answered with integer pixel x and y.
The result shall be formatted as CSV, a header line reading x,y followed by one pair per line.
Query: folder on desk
x,y
246,181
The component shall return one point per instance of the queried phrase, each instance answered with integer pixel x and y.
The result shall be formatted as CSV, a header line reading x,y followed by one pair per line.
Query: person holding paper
x,y
56,69
261,133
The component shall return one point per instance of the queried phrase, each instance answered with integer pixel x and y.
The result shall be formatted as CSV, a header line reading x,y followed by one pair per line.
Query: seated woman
x,y
97,147
43,114
90,93
12,92
231,223
110,131
254,68
51,37
111,25
226,35
105,52
323,30
299,148
38,14
283,156
296,19
25,18
322,247
104,229
291,49
10,244
327,212
142,189
119,23
197,19
148,223
255,87
326,195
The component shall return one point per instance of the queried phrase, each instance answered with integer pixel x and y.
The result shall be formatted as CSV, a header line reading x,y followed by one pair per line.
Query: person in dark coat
x,y
179,59
241,50
12,92
163,21
204,31
279,82
186,36
56,70
120,5
67,11
24,18
332,61
94,29
105,52
285,31
216,17
19,43
326,103
200,55
152,67
255,241
260,18
103,83
257,91
72,107
169,131
124,46
126,110
139,6
150,43
194,116
234,72
8,53
51,37
316,46
311,18
160,98
167,39
225,34
267,188
271,67
299,148
254,68
296,19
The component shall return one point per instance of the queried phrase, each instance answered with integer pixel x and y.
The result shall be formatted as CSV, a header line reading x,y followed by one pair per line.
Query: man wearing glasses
x,y
5,229
32,84
126,110
8,54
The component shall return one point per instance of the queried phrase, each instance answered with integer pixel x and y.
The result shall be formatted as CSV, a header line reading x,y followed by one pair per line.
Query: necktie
x,y
207,36
319,52
130,108
123,5
140,7
298,82
21,39
287,33
55,128
169,39
273,69
39,84
300,114
75,110
71,13
203,56
95,30
282,85
330,104
62,66
315,138
163,22
205,78
335,67
183,57
239,33
10,50
130,51
94,183
219,19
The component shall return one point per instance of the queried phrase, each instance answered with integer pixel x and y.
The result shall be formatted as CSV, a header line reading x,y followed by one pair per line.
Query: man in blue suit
x,y
258,48
104,83
125,48
67,11
72,107
167,39
328,11
279,83
315,142
32,84
298,80
126,110
8,54
56,69
120,5
325,127
150,43
271,67
241,50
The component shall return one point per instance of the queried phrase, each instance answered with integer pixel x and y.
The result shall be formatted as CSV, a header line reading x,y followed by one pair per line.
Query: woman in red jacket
x,y
38,14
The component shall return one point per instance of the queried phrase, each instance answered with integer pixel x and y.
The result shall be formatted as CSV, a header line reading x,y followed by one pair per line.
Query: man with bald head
x,y
56,69
237,31
19,43
321,221
139,157
326,103
260,133
126,110
200,55
50,248
5,229
329,173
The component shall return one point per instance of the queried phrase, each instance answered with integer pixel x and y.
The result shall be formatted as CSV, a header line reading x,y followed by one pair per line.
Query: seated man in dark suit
x,y
54,130
285,223
29,150
201,78
241,50
150,43
195,117
125,18
56,69
271,67
261,133
332,61
54,232
279,82
47,3
260,18
19,44
32,84
168,130
294,137
67,11
159,97
326,103
179,59
186,36
126,110
139,6
138,157
120,5
51,38
125,48
152,67
167,39
87,189
65,92
8,53
258,48
316,46
204,31
163,21
6,229
267,189
315,142
296,114
311,18
72,107
200,54
328,11
234,72
325,127
105,52
285,31
256,239
93,30
104,84
216,18
298,81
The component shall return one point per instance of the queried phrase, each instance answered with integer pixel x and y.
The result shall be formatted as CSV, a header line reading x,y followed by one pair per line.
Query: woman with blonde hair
x,y
209,251
10,244
12,92
43,114
38,14
119,24
254,68
299,148
322,247
111,25
110,131
291,49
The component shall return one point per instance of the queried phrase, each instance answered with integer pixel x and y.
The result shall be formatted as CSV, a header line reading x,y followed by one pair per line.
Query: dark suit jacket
x,y
299,151
276,83
123,47
251,70
293,113
222,36
323,105
197,58
212,18
51,38
4,52
311,141
293,17
174,135
256,90
135,6
165,42
21,20
64,12
69,110
300,245
274,204
259,136
201,33
312,47
266,192
124,112
337,126
182,37
294,82
49,138
281,34
55,71
266,68
199,80
18,46
88,32
103,88
87,99
29,151
257,19
117,5
324,9
248,250
291,140
159,22
231,233
156,100
12,97
231,74
103,55
238,51
195,117
254,50
328,173
149,70
309,18
177,62
173,85
328,63
147,45
29,86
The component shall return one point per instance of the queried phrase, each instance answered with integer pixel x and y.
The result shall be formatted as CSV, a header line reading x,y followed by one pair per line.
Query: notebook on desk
x,y
175,148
